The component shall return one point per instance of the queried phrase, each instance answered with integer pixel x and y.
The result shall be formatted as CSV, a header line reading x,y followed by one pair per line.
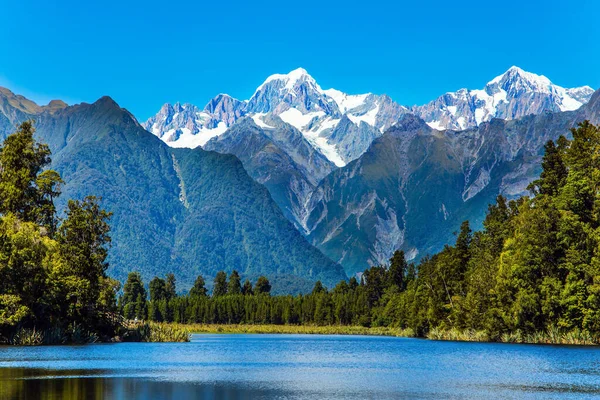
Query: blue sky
x,y
146,53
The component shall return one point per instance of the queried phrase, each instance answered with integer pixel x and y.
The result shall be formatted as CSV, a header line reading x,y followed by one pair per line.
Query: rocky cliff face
x,y
185,125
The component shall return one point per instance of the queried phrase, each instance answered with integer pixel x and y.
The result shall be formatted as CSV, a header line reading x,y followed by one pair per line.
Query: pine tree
x,y
170,287
220,284
134,296
247,288
397,270
263,286
198,290
25,190
82,239
319,288
554,171
235,283
157,289
463,242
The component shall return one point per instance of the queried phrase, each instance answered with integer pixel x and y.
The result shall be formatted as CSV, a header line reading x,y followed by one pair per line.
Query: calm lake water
x,y
299,367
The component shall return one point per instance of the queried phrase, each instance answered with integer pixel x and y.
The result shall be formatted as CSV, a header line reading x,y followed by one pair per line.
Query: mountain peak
x,y
290,79
107,100
515,75
55,105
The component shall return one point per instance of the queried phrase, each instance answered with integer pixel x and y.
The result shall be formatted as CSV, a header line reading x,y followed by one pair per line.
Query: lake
x,y
299,367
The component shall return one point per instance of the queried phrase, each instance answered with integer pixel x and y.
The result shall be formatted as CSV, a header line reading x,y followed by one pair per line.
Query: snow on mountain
x,y
512,95
185,125
345,101
341,126
297,99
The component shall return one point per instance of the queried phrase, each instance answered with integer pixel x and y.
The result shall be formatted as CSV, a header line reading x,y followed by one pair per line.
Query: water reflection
x,y
28,384
299,367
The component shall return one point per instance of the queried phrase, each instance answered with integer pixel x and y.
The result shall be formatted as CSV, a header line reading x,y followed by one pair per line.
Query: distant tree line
x,y
231,302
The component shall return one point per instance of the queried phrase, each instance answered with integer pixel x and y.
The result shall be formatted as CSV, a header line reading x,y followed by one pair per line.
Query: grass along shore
x,y
297,329
151,332
551,336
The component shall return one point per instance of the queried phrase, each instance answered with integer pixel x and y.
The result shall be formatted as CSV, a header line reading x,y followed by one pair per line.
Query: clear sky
x,y
146,53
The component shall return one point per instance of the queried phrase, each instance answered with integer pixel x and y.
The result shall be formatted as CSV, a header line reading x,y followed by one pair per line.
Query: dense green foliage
x,y
53,274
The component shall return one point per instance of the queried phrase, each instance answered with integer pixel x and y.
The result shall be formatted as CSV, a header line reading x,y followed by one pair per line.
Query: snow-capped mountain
x,y
338,125
341,126
514,94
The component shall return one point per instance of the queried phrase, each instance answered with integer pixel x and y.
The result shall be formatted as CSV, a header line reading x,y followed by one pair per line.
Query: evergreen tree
x,y
82,239
133,301
554,170
319,288
375,282
397,270
247,288
463,242
25,189
157,289
235,283
170,287
198,290
220,284
263,286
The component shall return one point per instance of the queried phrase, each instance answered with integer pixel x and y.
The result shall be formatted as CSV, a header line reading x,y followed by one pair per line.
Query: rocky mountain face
x,y
514,94
186,211
185,125
414,185
278,156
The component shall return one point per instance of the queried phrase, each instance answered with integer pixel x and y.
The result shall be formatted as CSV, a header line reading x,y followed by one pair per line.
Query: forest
x,y
55,289
534,269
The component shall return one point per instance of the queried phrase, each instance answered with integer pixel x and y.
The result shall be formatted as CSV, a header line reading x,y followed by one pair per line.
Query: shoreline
x,y
295,329
154,332
575,338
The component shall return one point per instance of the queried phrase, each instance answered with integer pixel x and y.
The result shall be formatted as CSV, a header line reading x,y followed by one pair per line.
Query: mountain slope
x,y
415,185
180,210
278,156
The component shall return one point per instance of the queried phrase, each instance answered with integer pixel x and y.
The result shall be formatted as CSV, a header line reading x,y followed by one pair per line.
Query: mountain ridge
x,y
298,99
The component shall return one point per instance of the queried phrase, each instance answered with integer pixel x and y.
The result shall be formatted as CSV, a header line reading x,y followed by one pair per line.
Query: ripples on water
x,y
299,367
